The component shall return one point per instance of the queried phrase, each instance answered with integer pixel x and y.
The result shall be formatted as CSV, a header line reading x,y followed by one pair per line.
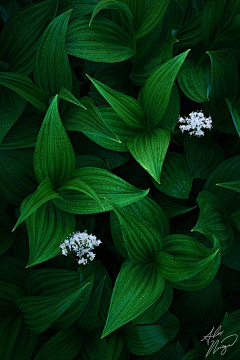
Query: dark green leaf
x,y
212,14
235,113
6,237
65,94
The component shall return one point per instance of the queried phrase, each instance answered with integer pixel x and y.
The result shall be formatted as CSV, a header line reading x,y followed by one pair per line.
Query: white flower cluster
x,y
82,244
195,123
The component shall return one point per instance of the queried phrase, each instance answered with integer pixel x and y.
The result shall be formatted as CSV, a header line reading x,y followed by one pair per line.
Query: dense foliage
x,y
91,93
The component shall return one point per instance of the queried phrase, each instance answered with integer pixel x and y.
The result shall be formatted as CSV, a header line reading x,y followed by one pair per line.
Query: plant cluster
x,y
119,121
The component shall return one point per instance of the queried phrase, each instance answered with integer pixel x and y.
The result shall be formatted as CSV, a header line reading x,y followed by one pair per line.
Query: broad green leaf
x,y
105,185
103,4
115,345
9,331
232,185
79,185
43,194
65,94
137,9
128,108
197,310
142,240
54,155
12,106
171,116
136,288
231,9
224,80
21,33
228,170
185,257
172,207
90,121
40,312
158,308
195,80
117,126
79,7
157,89
6,237
212,220
145,340
104,41
212,14
47,227
190,33
176,178
94,347
17,180
232,258
203,156
235,113
65,343
51,70
149,149
152,16
24,86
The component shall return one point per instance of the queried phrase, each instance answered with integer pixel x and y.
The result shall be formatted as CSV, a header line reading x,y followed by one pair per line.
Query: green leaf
x,y
105,185
104,41
103,4
65,343
94,347
235,113
151,17
65,94
224,80
90,121
54,155
171,116
6,237
24,86
12,106
9,331
195,80
157,89
232,31
203,156
172,207
51,69
136,288
79,185
43,194
212,220
174,352
47,227
115,345
16,175
21,33
128,108
79,7
232,185
149,149
176,178
190,33
212,13
184,257
145,340
142,240
40,312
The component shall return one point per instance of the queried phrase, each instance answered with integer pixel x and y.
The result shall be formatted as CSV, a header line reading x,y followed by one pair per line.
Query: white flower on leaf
x,y
195,122
82,244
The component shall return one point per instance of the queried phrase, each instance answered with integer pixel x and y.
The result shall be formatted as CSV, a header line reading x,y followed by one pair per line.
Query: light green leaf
x,y
103,4
54,155
235,113
136,288
105,185
21,33
157,89
40,312
149,149
65,94
90,121
176,178
142,240
43,194
152,16
24,86
47,227
104,41
12,106
195,80
51,69
128,108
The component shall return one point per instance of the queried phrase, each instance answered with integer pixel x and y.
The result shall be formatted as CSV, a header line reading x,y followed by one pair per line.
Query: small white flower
x,y
195,122
82,244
